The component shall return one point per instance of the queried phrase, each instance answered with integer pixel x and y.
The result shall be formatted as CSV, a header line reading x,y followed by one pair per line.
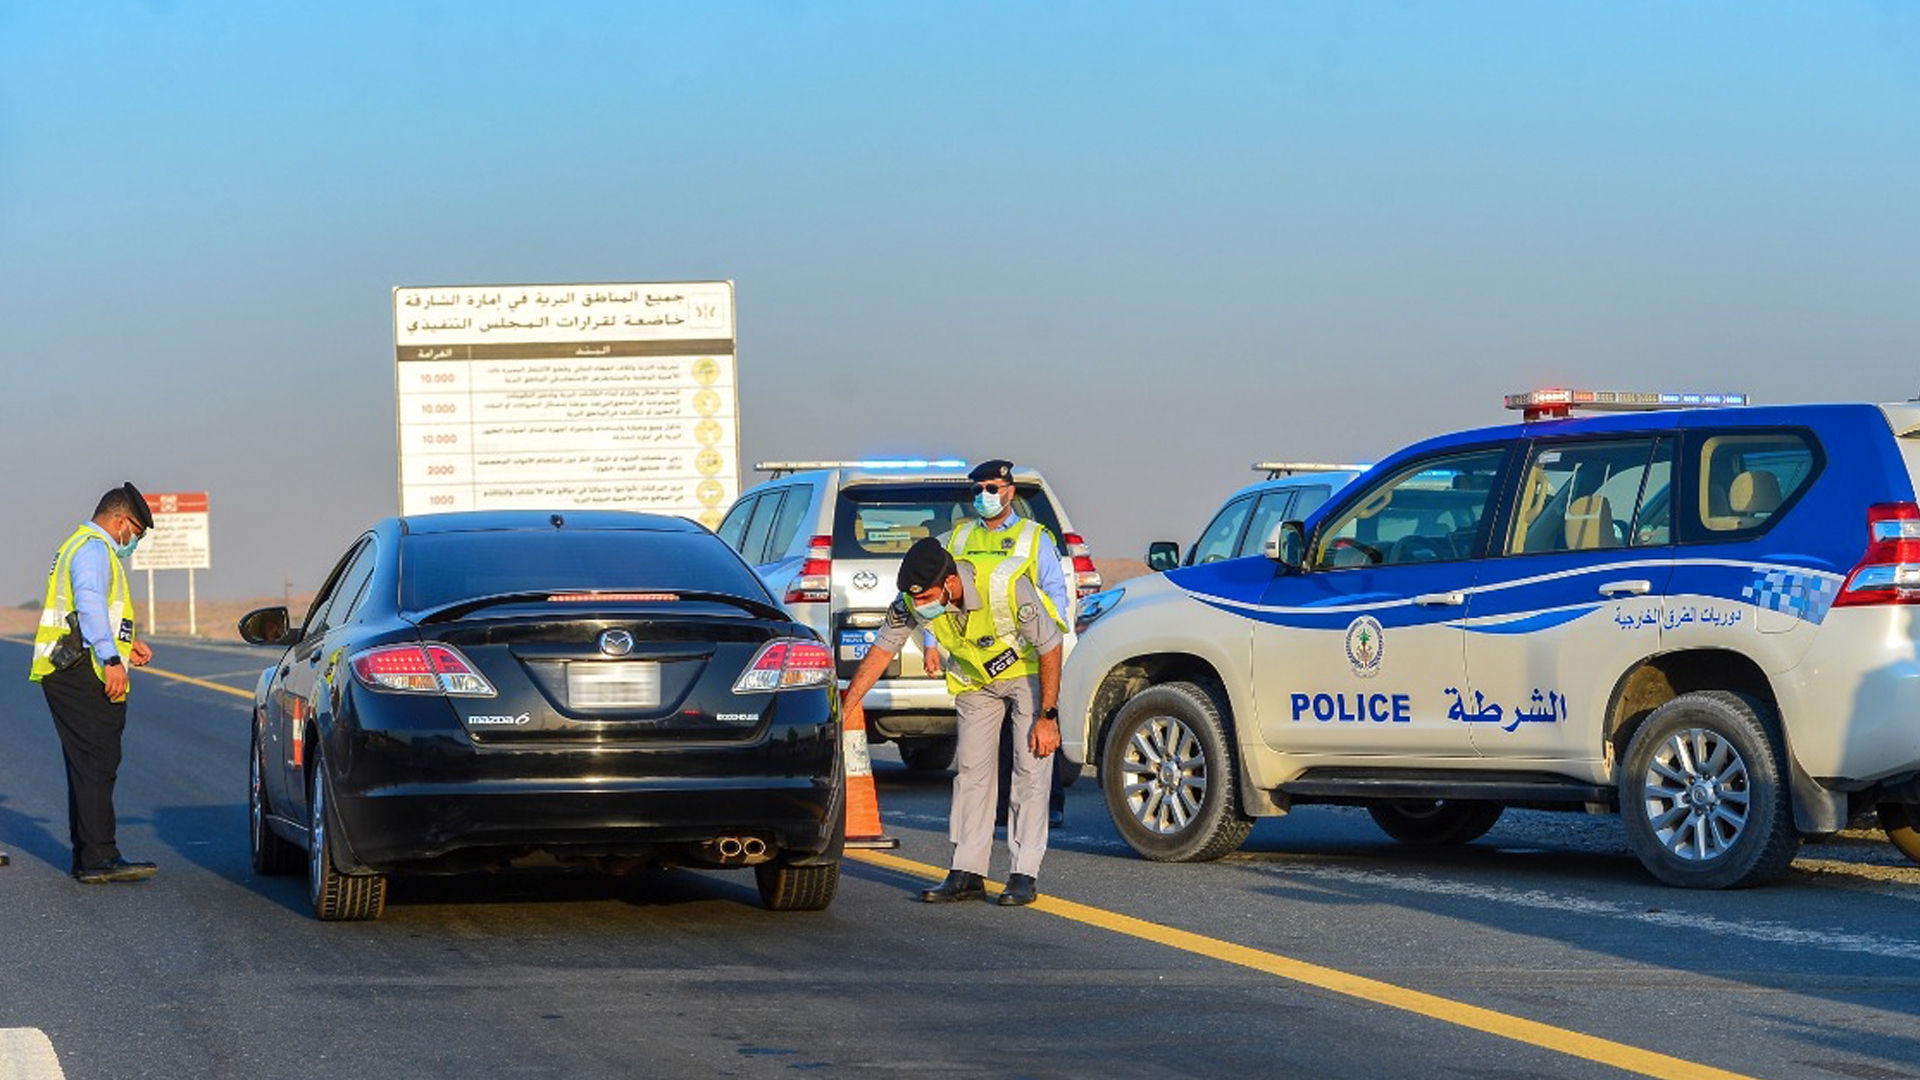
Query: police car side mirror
x,y
267,626
1287,544
1162,555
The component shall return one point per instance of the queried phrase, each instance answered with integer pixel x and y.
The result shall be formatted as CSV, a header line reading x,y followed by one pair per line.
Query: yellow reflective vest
x,y
1011,553
988,646
53,618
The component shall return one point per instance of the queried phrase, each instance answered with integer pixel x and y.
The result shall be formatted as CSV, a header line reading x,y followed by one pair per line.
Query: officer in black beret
x,y
1002,645
85,644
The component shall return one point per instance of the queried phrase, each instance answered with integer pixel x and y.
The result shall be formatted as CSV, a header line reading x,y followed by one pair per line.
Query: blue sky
x,y
1137,245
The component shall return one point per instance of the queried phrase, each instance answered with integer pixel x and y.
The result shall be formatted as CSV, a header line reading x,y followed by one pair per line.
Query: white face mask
x,y
988,504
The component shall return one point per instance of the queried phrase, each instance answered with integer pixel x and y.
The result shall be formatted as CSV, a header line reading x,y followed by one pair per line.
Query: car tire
x,y
271,855
797,888
1169,777
1436,822
1703,794
336,896
1901,821
928,755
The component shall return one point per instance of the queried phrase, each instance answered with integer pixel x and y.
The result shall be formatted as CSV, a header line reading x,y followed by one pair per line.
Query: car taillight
x,y
814,583
431,668
1889,573
786,664
1086,580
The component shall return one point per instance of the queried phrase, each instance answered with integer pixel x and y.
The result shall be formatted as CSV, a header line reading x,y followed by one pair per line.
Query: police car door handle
x,y
1626,588
1441,599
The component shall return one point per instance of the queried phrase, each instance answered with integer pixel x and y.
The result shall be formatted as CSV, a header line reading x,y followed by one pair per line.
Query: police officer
x,y
81,652
1001,531
1002,644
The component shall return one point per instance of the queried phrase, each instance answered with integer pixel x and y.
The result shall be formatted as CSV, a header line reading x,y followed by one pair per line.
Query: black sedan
x,y
480,690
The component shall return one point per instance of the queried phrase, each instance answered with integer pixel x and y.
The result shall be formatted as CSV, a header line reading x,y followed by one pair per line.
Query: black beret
x,y
997,469
927,564
142,513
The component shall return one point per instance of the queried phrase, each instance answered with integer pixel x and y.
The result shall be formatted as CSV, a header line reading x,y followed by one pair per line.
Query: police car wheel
x,y
1703,794
927,755
1168,775
1902,824
336,896
271,854
1436,821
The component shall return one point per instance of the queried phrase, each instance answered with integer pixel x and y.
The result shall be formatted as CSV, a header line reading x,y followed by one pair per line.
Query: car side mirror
x,y
1163,555
268,626
1287,544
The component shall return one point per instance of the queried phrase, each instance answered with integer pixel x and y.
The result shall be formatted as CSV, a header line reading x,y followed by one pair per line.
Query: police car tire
x,y
1902,824
1185,714
1739,747
927,755
1436,821
336,896
271,854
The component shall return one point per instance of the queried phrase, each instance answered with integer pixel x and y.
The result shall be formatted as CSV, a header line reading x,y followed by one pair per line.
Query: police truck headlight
x,y
1095,606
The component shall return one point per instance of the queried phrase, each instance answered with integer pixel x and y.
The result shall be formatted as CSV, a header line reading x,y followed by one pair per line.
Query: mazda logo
x,y
616,642
866,579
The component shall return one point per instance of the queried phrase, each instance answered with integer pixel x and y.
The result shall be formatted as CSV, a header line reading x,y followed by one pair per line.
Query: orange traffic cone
x,y
863,799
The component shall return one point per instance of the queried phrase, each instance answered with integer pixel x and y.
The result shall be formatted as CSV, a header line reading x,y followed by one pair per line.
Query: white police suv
x,y
1701,618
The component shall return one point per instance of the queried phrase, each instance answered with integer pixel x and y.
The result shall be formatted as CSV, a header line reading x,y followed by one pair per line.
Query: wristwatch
x,y
1050,714
112,661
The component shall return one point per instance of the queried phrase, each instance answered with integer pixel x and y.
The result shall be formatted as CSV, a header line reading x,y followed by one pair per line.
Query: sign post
x,y
177,541
616,397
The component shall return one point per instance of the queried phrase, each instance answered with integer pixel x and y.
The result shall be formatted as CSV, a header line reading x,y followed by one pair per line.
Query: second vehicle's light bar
x,y
1277,469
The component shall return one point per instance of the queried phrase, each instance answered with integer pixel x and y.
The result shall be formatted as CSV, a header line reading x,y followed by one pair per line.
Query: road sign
x,y
613,397
179,537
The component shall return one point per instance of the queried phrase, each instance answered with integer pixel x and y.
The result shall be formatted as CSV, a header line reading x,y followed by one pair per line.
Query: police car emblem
x,y
1366,644
616,643
866,579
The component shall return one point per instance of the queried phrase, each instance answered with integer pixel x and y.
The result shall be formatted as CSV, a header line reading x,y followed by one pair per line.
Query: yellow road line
x,y
1533,1033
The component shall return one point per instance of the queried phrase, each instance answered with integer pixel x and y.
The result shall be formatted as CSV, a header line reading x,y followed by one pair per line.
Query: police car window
x,y
753,544
1745,479
1426,512
1222,537
787,523
1310,499
1273,508
1653,523
1579,496
734,525
885,519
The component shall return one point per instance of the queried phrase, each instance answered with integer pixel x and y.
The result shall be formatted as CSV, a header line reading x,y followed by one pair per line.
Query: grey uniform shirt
x,y
1032,622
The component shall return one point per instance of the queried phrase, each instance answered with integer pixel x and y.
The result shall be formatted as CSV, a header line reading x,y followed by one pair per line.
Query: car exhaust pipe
x,y
753,847
729,847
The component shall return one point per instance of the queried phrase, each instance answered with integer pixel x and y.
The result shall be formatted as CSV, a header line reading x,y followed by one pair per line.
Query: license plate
x,y
625,684
855,643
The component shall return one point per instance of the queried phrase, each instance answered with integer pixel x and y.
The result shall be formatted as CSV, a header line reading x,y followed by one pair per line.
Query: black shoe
x,y
4,860
114,869
959,885
1056,819
1021,890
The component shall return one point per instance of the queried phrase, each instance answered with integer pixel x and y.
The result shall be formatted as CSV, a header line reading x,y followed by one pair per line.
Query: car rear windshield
x,y
885,519
443,568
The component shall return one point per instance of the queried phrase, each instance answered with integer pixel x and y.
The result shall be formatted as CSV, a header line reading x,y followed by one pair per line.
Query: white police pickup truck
x,y
1701,618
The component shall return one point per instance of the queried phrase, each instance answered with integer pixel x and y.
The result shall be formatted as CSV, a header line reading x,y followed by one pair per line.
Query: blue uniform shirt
x,y
92,576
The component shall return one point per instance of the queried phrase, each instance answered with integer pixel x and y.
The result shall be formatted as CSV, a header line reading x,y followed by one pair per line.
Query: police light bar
x,y
782,467
1551,404
1277,469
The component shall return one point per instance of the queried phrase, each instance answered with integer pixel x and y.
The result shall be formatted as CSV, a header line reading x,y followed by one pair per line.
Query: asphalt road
x,y
1322,949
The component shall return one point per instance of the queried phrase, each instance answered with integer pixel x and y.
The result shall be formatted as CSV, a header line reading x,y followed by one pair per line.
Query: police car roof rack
x,y
778,469
1277,469
1556,404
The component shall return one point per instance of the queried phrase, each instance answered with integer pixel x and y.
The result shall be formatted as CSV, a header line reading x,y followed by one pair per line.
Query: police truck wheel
x,y
271,854
797,888
1703,794
1902,824
1169,777
927,755
336,897
1436,821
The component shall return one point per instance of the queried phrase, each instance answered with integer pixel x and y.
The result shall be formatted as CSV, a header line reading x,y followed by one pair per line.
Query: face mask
x,y
930,611
988,504
124,550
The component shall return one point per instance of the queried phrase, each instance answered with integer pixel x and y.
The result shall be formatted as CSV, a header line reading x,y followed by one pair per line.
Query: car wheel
x,y
797,888
1902,824
271,854
1703,794
1169,779
336,896
927,755
1436,821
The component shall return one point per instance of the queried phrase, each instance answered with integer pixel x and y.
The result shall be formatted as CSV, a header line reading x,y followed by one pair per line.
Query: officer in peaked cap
x,y
1002,643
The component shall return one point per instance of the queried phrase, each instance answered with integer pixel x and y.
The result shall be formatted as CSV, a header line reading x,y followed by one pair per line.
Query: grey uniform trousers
x,y
976,785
